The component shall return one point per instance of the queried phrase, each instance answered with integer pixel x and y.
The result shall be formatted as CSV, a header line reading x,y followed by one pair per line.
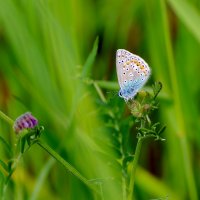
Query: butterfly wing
x,y
132,72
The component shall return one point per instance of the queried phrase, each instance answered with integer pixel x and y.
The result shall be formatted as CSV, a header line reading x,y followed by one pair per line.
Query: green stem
x,y
14,166
188,170
67,166
133,169
178,106
6,118
100,93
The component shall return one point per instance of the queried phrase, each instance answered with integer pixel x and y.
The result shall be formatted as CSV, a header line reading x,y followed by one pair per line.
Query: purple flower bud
x,y
34,121
27,120
24,124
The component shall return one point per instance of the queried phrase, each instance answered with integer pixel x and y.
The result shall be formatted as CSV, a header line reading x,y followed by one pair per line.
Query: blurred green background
x,y
47,61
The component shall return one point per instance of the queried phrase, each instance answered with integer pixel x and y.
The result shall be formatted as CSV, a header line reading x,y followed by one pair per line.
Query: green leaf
x,y
4,165
22,144
127,159
188,14
157,86
90,60
6,145
110,85
2,179
162,129
41,179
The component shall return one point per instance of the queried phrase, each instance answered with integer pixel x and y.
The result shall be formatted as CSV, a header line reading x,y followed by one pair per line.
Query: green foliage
x,y
142,108
29,137
119,127
50,62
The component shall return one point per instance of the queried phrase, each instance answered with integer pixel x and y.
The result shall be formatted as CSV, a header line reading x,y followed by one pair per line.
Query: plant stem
x,y
188,168
193,194
67,166
14,166
6,118
101,95
133,169
99,92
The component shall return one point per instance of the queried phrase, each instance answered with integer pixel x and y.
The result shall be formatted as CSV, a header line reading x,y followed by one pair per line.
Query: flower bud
x,y
25,121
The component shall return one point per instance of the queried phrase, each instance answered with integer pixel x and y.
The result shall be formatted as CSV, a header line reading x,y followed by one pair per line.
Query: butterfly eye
x,y
120,93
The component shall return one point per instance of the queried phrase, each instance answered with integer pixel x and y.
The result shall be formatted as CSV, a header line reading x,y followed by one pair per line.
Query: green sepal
x,y
4,165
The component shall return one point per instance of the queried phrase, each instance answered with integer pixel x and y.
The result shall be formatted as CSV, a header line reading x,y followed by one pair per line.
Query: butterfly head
x,y
120,94
127,94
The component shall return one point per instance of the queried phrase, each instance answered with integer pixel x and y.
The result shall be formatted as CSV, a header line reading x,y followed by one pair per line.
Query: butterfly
x,y
132,72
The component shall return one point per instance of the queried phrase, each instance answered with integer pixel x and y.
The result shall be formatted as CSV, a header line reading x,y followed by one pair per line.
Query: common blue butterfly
x,y
132,72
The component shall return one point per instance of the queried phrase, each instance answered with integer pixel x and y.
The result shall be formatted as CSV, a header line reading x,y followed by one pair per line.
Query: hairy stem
x,y
67,166
6,118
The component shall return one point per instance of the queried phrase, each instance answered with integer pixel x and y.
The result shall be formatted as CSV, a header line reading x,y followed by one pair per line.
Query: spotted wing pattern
x,y
132,72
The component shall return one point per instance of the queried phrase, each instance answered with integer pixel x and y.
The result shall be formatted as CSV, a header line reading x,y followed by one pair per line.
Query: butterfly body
x,y
132,72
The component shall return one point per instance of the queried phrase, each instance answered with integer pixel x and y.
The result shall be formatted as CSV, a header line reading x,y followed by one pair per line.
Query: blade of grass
x,y
153,186
177,105
188,14
6,145
90,60
67,166
4,165
41,178
6,118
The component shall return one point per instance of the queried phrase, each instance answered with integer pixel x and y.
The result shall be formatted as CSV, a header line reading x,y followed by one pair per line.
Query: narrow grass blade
x,y
90,60
41,178
4,165
188,14
6,145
